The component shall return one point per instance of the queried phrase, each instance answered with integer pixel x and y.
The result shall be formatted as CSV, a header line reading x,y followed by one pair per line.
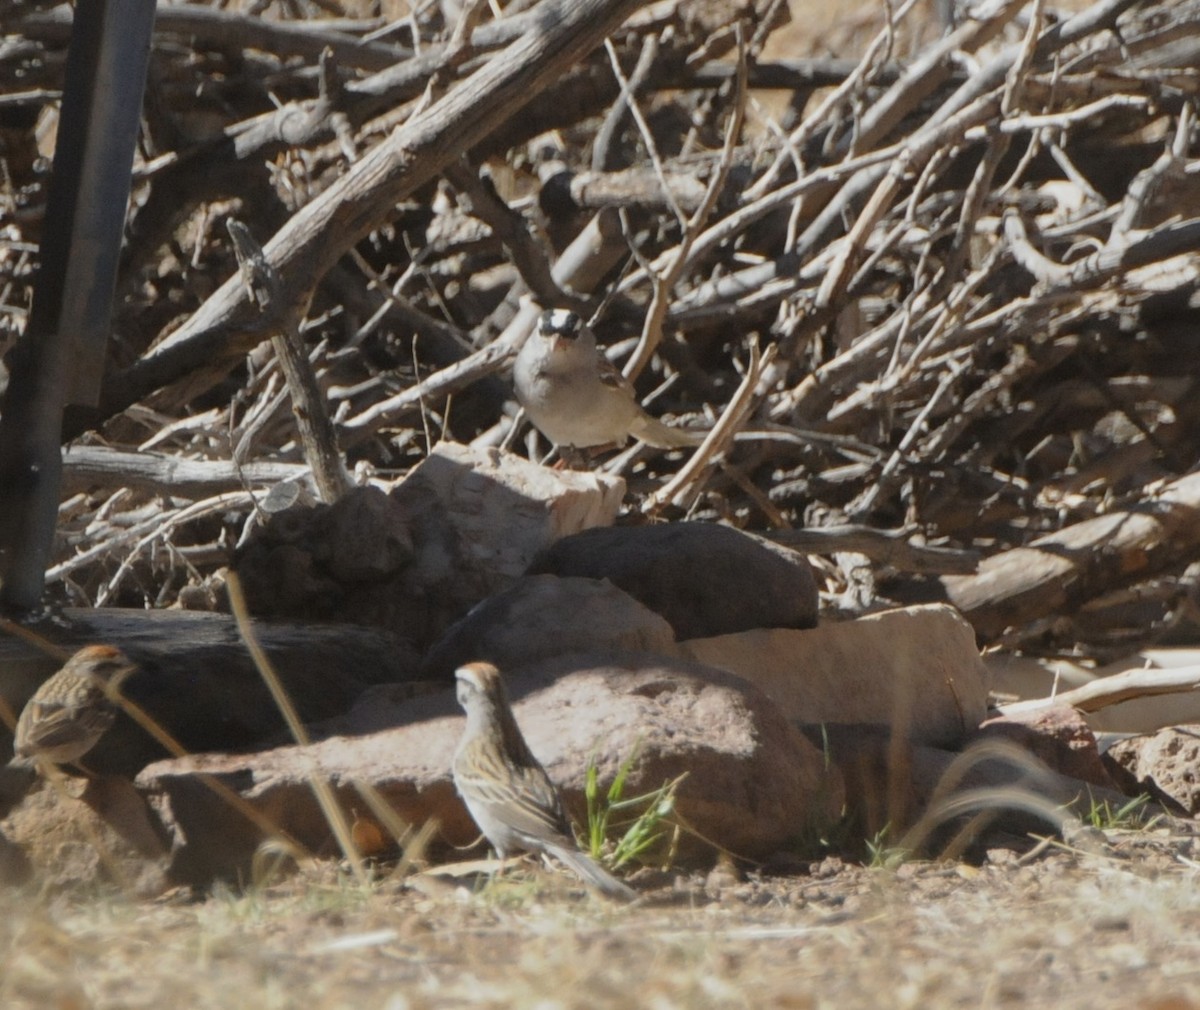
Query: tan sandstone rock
x,y
915,668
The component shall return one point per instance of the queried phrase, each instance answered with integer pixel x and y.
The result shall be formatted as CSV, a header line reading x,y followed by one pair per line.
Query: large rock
x,y
916,669
753,781
464,524
543,616
705,579
1165,764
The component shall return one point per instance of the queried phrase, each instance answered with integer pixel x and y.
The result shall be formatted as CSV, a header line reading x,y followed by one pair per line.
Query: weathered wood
x,y
196,679
316,238
308,401
86,467
1056,572
1105,691
887,546
237,30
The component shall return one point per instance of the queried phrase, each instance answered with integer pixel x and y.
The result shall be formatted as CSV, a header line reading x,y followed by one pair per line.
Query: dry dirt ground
x,y
1055,929
1061,929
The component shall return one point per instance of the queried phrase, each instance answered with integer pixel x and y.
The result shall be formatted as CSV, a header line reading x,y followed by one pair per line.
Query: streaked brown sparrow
x,y
576,397
507,791
72,710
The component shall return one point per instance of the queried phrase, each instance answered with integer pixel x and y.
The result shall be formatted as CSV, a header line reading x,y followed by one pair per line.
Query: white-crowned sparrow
x,y
507,791
72,710
576,397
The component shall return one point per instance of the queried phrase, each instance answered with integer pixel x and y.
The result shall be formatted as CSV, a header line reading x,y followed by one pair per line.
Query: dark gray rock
x,y
705,579
543,616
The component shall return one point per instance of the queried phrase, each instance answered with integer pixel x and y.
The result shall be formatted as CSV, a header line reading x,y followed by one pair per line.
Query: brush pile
x,y
949,289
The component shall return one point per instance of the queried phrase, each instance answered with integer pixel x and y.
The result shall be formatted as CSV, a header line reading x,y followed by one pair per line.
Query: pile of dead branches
x,y
947,289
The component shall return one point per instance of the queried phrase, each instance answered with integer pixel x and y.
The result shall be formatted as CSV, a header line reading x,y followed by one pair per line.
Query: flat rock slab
x,y
753,783
542,616
915,668
704,578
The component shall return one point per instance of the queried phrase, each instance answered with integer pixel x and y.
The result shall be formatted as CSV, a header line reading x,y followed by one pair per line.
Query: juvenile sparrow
x,y
509,794
576,397
72,710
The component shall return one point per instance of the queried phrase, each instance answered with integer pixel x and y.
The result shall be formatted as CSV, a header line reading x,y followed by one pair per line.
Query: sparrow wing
x,y
53,724
645,426
521,797
613,377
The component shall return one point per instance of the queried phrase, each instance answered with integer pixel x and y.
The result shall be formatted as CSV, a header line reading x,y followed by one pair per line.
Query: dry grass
x,y
1061,931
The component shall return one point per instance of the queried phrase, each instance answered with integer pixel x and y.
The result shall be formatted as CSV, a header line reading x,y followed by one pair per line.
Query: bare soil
x,y
1058,928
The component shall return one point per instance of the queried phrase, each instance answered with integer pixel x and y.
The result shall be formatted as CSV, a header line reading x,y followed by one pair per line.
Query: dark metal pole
x,y
60,358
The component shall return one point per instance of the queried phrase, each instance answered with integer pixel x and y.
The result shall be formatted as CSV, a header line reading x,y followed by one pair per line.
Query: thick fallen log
x,y
196,679
1057,572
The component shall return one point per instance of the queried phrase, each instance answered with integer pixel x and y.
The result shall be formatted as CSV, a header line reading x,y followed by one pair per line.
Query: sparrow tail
x,y
653,432
593,873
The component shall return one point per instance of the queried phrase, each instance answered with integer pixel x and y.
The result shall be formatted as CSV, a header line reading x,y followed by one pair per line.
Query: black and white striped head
x,y
561,324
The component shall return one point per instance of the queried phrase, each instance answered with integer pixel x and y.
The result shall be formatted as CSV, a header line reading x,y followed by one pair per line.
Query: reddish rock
x,y
753,780
1058,736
